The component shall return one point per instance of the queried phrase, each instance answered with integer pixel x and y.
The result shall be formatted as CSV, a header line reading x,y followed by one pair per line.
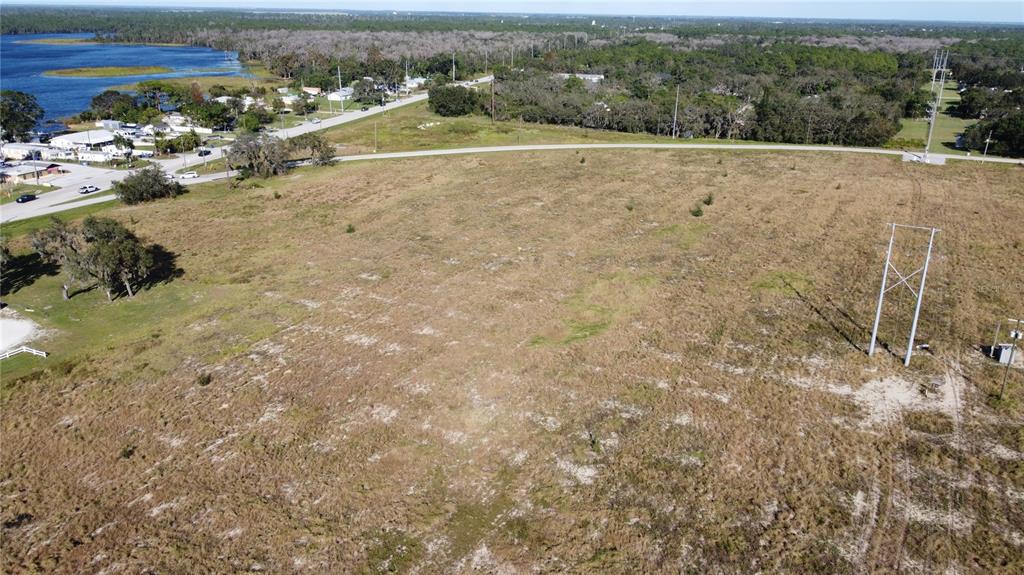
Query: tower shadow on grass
x,y
843,333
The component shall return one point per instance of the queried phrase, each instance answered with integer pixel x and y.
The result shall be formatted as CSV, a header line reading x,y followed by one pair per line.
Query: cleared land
x,y
539,362
947,126
415,127
107,71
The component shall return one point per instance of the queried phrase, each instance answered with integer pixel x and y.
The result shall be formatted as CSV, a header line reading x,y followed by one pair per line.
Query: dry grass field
x,y
532,363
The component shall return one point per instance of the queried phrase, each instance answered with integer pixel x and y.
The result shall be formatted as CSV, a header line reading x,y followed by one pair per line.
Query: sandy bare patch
x,y
15,330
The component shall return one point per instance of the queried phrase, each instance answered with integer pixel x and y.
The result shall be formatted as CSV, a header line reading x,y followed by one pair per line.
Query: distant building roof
x,y
587,77
87,138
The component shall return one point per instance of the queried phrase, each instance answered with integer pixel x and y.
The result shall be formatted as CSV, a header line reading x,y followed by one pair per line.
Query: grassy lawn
x,y
210,167
404,365
10,193
107,71
415,127
22,228
947,127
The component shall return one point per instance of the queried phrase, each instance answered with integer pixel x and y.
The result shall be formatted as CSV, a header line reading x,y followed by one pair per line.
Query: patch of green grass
x,y
24,227
582,330
947,127
784,283
11,193
395,552
415,127
686,235
107,71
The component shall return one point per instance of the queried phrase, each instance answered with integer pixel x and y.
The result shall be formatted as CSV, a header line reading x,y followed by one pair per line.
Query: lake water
x,y
22,66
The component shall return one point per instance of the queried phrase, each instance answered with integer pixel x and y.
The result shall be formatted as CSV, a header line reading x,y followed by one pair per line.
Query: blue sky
x,y
934,10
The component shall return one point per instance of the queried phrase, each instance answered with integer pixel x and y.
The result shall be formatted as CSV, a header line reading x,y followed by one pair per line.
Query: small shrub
x,y
583,160
719,162
839,186
696,211
708,199
127,451
350,229
204,379
630,206
277,195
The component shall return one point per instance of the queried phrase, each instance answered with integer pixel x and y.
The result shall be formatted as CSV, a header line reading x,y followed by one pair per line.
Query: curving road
x,y
68,198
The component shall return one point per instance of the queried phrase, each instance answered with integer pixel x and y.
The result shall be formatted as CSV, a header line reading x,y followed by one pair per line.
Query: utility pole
x,y
675,115
941,62
493,80
1014,336
453,66
374,137
988,141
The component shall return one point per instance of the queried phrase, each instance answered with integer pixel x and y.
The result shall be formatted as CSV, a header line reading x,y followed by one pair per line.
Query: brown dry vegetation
x,y
538,363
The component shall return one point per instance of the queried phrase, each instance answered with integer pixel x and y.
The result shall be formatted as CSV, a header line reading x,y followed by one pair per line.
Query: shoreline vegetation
x,y
107,71
255,74
95,40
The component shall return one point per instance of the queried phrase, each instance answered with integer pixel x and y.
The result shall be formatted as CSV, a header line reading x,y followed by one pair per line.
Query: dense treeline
x,y
990,73
828,83
782,93
135,22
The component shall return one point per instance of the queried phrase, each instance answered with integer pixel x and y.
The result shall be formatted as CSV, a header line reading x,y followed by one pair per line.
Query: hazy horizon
x,y
869,10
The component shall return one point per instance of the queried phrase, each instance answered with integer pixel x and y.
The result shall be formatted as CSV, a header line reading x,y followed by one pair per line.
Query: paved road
x,y
941,158
58,200
14,212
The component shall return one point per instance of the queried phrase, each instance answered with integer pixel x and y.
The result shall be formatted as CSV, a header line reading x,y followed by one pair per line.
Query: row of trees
x,y
265,155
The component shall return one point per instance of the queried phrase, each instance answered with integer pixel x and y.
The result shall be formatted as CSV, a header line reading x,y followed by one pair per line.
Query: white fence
x,y
22,349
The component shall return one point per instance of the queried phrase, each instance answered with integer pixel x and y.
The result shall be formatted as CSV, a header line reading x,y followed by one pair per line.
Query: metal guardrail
x,y
22,349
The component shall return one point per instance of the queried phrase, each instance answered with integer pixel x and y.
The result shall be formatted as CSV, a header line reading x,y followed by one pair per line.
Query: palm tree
x,y
126,145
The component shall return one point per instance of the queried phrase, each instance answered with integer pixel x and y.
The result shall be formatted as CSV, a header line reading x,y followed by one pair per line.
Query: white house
x,y
414,83
94,156
592,78
184,129
312,91
57,154
18,151
341,95
80,140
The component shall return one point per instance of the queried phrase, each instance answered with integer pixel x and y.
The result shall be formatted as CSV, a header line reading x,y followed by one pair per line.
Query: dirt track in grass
x,y
538,362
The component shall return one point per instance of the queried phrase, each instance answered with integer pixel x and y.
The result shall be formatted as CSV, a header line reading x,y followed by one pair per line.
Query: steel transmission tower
x,y
904,280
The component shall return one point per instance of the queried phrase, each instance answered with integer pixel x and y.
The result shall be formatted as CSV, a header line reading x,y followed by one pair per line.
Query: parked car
x,y
364,108
190,175
315,121
204,152
25,198
88,189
